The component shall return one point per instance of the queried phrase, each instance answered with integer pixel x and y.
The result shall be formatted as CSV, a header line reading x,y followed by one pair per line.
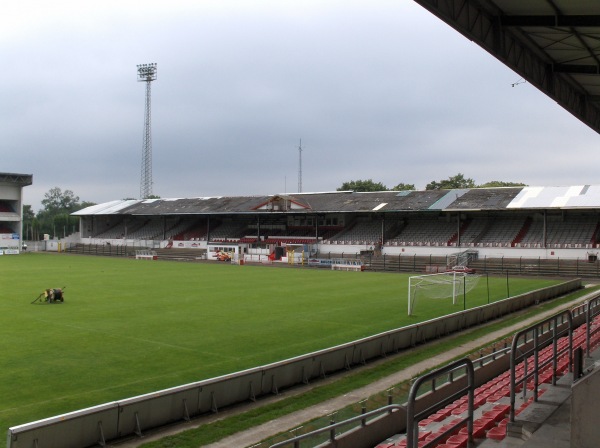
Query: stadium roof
x,y
553,44
583,197
21,180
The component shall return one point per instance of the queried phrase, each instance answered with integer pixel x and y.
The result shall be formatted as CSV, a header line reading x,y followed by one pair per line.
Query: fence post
x,y
363,410
332,431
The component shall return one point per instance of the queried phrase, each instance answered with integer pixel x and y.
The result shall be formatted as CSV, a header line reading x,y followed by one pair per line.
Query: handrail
x,y
413,417
544,333
331,428
592,310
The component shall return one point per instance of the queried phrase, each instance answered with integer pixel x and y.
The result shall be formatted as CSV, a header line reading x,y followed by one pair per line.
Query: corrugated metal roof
x,y
588,198
485,199
107,208
450,197
578,196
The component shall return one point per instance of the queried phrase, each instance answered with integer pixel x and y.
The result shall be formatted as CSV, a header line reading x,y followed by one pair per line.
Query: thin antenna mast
x,y
147,74
300,167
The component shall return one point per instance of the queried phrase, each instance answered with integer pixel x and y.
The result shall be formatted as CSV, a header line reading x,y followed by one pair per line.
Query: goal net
x,y
439,286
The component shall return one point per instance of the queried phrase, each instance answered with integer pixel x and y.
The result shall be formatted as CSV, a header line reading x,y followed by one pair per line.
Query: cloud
x,y
380,90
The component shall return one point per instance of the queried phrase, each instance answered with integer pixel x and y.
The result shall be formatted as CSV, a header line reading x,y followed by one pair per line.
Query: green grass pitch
x,y
129,327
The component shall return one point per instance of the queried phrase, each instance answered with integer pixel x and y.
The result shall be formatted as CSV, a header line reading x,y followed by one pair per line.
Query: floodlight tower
x,y
300,167
147,74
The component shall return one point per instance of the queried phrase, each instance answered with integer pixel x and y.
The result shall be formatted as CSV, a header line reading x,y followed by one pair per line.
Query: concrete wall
x,y
443,251
585,431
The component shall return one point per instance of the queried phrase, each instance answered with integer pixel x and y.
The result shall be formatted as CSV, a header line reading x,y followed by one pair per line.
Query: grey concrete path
x,y
256,434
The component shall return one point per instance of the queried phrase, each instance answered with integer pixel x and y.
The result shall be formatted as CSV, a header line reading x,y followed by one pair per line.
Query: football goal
x,y
439,286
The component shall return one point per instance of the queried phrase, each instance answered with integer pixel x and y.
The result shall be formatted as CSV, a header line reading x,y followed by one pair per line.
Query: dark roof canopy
x,y
584,197
553,44
21,180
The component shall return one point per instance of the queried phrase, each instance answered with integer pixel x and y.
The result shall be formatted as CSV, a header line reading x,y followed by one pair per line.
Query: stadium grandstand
x,y
11,211
541,224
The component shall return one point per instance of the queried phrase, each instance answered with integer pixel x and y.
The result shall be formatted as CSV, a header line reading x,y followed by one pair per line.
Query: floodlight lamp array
x,y
146,72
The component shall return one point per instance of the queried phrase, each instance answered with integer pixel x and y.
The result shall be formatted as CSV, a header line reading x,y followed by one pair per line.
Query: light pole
x,y
147,74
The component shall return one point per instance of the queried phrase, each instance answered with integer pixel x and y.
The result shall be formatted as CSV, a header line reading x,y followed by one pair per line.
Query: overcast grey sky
x,y
377,89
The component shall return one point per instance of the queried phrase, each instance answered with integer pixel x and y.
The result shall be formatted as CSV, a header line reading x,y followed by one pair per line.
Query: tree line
x,y
457,181
54,218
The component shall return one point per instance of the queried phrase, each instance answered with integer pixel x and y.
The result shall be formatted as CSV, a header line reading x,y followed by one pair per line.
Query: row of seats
x,y
480,232
580,232
427,231
5,208
364,231
492,400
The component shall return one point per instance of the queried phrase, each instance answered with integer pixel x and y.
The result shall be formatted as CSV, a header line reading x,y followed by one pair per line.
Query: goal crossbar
x,y
439,286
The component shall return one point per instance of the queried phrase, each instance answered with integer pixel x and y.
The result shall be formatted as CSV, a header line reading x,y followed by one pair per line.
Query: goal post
x,y
439,286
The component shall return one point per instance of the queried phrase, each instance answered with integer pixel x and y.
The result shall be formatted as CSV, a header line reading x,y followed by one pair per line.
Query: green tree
x,y
499,183
55,216
84,204
457,181
401,187
56,201
28,221
362,185
28,214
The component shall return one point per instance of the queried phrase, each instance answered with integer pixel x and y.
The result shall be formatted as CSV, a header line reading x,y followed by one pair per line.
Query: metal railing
x,y
592,310
526,347
331,429
413,416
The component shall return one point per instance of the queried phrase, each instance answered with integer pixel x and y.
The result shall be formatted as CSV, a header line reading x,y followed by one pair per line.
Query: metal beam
x,y
512,47
576,69
551,21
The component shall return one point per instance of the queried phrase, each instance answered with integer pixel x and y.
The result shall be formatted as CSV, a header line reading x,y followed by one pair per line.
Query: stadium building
x,y
544,223
11,211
